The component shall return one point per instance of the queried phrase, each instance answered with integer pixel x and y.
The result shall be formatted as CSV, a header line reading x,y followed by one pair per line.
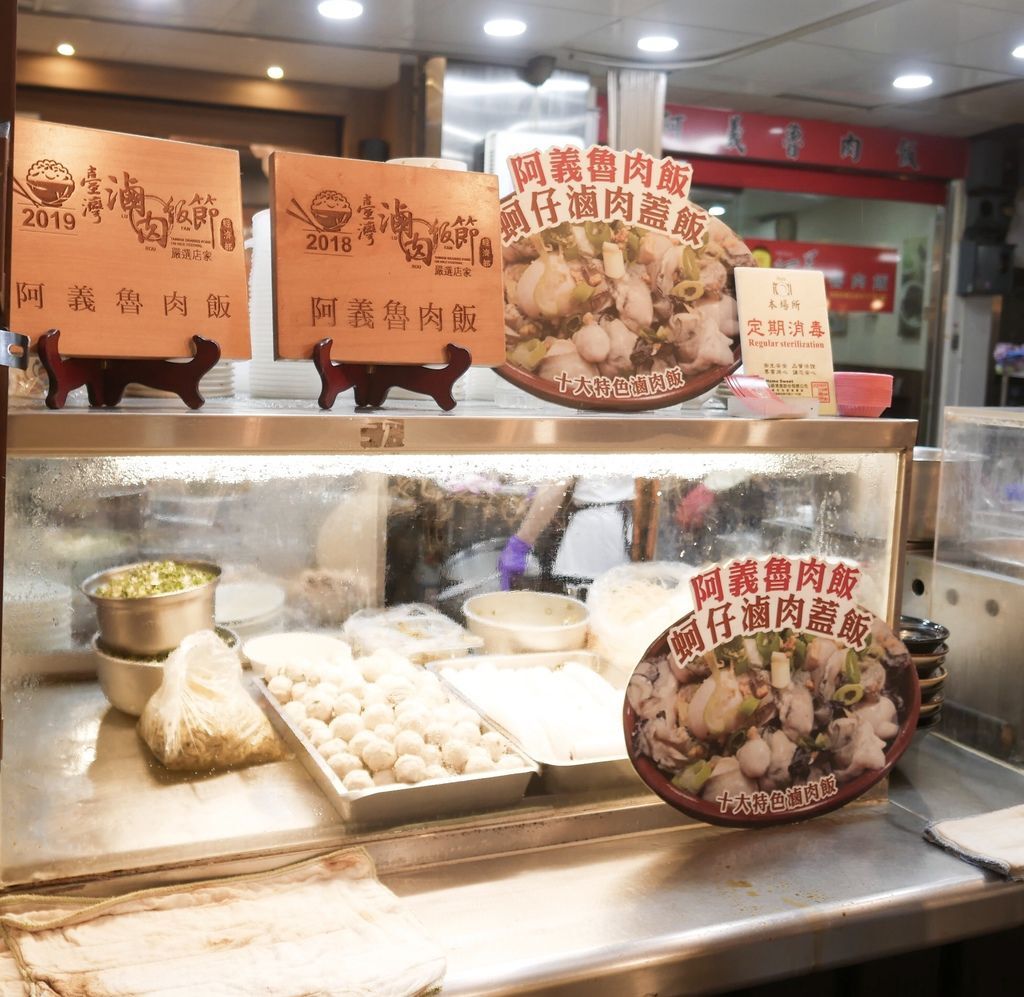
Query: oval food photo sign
x,y
619,290
778,698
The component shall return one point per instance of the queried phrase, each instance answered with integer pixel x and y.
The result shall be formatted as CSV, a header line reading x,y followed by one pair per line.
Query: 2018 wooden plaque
x,y
129,245
391,262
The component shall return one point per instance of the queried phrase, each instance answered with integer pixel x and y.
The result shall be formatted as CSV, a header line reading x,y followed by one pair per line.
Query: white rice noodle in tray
x,y
556,707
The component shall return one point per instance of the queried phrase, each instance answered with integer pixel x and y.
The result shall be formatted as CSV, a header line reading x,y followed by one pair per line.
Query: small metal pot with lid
x,y
154,622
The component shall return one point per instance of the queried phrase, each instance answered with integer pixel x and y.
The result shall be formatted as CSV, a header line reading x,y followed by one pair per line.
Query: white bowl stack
x,y
217,383
269,378
249,608
37,616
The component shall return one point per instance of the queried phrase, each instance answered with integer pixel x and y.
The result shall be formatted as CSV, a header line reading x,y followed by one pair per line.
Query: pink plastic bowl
x,y
864,395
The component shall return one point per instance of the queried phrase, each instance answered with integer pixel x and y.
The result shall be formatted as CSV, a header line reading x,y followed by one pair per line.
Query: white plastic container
x,y
514,622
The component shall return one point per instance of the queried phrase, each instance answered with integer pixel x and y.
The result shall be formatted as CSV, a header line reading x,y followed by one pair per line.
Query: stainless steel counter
x,y
292,427
691,909
616,898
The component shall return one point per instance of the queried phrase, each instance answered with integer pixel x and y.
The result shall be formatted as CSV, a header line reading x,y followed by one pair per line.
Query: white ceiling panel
x,y
786,68
916,28
619,40
843,72
384,23
214,53
876,85
190,13
766,18
991,52
459,27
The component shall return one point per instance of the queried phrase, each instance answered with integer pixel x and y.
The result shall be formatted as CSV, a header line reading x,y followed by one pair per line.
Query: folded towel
x,y
325,927
994,840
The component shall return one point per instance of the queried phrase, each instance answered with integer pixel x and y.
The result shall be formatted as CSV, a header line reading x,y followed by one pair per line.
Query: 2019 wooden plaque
x,y
129,245
390,262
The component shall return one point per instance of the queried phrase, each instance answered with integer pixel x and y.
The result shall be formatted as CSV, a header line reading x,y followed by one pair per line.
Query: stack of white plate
x,y
249,608
37,615
269,378
218,383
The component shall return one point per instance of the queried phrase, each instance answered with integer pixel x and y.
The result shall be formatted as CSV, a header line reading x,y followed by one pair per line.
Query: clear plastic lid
x,y
414,630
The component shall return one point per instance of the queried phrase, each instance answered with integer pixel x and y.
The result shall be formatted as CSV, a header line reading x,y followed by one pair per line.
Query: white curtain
x,y
636,109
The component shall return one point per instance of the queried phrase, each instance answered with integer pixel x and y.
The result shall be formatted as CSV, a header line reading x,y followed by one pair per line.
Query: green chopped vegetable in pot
x,y
691,265
735,653
849,694
693,777
851,667
799,652
580,293
749,706
767,645
688,290
529,354
597,233
154,578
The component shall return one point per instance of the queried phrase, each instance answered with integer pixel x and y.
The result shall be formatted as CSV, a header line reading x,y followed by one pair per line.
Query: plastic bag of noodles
x,y
202,717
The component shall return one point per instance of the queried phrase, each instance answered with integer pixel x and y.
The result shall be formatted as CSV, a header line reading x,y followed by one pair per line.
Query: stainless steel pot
x,y
152,625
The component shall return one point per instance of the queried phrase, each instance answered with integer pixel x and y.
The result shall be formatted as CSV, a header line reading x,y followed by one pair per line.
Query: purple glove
x,y
512,563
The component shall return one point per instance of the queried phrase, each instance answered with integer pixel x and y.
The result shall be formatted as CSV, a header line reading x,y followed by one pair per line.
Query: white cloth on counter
x,y
992,840
325,927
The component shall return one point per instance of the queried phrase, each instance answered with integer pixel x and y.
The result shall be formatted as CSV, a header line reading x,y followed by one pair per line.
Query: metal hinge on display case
x,y
13,349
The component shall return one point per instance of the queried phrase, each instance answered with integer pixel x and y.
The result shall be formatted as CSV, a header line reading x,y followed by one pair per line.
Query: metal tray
x,y
557,775
401,803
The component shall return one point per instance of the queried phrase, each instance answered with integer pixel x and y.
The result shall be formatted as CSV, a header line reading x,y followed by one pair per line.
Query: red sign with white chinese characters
x,y
857,278
779,697
704,131
619,291
128,245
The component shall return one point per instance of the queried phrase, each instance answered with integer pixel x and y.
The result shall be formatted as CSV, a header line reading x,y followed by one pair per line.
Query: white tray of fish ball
x,y
556,707
385,742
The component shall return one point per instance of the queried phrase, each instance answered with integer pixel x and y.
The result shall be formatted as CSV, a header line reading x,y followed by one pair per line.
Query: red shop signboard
x,y
857,278
704,131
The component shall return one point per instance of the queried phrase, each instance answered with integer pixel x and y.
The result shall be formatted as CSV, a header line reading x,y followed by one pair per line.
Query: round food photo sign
x,y
778,698
619,290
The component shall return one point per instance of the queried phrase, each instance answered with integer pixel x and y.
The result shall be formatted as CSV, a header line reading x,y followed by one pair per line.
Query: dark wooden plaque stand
x,y
372,382
106,379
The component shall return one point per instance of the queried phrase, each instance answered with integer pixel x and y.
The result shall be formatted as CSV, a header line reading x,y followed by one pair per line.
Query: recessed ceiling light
x,y
657,43
716,209
339,10
504,27
275,72
1018,52
65,48
912,81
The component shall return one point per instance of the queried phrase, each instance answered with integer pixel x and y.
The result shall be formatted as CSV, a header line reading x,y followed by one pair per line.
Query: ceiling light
x,y
339,10
657,43
1018,52
716,209
275,72
504,27
912,81
64,48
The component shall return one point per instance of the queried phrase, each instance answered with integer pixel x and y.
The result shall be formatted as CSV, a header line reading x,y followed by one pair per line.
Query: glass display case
x,y
316,518
978,576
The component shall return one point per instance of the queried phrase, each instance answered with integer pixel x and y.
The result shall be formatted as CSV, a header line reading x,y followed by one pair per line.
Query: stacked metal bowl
x,y
926,642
